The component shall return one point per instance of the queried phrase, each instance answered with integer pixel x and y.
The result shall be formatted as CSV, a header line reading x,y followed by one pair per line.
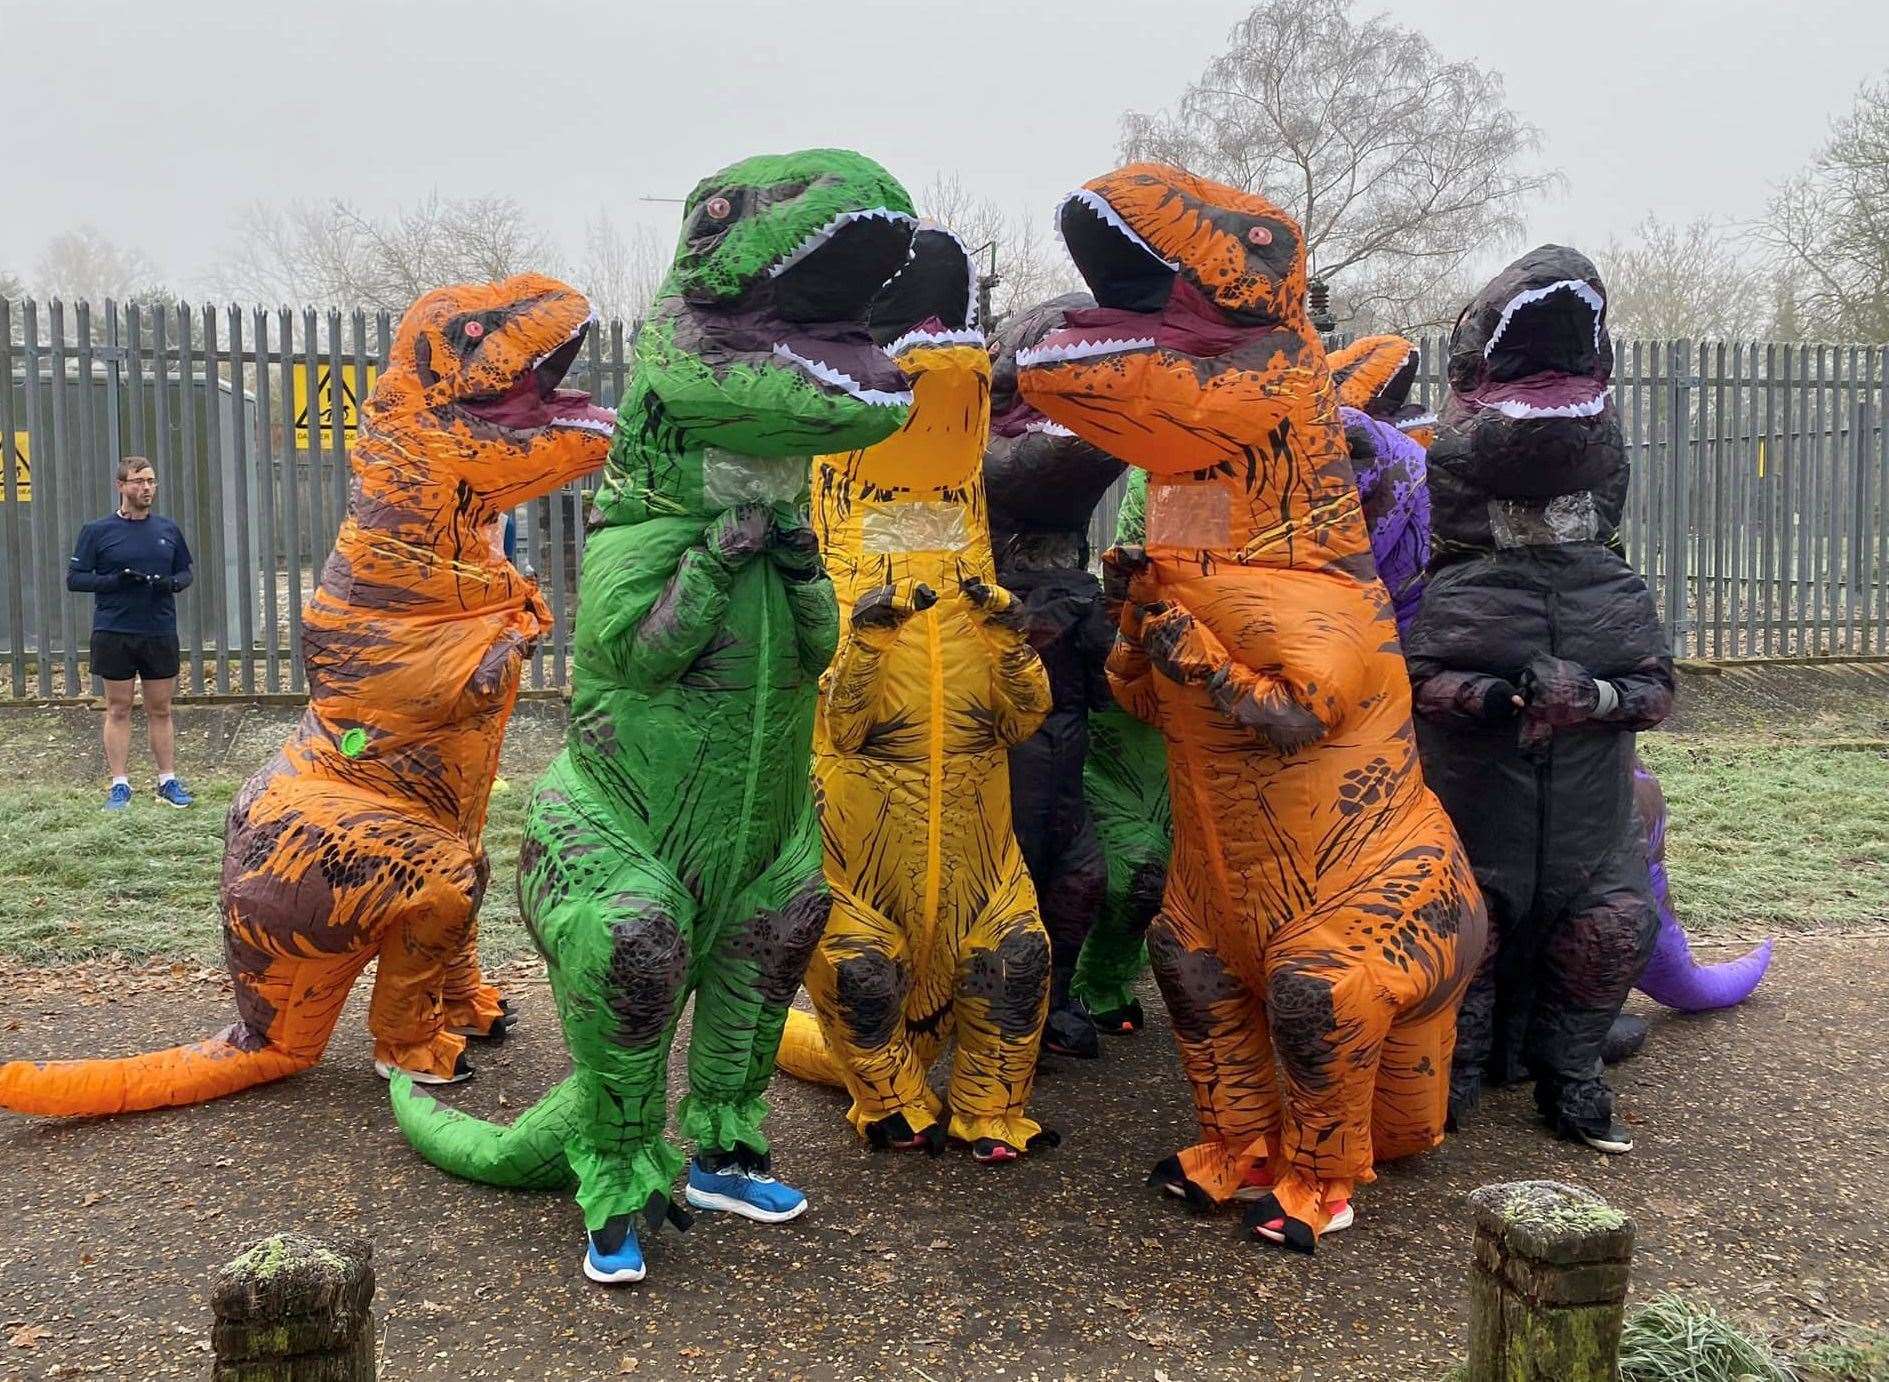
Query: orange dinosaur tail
x,y
162,1079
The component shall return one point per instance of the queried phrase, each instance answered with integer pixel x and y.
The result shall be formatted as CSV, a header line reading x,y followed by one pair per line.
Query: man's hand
x,y
738,536
1501,700
792,547
889,606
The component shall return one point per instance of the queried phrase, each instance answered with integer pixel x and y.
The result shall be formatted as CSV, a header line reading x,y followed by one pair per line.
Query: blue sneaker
x,y
173,793
747,1193
618,1265
119,798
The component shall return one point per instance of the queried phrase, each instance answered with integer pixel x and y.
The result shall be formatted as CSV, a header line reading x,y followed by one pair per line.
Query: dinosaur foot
x,y
894,1134
462,1072
1167,1175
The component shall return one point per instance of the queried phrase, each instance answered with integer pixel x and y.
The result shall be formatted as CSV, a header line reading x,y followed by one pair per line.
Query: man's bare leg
x,y
157,720
118,726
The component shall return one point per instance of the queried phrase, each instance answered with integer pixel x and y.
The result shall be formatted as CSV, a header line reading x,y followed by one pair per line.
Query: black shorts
x,y
122,656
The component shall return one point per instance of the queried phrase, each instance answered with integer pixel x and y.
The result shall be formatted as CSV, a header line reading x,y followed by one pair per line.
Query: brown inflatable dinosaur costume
x,y
362,837
1320,921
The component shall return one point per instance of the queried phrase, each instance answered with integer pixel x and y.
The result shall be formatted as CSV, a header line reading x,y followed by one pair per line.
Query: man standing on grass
x,y
134,561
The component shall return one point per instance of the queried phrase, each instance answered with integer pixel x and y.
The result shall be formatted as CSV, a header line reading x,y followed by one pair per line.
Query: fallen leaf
x,y
937,1243
627,1364
29,1335
92,1197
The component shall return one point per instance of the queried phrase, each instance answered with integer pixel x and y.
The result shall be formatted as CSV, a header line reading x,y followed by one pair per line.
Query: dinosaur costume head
x,y
1528,447
918,490
1374,374
1041,480
1200,367
472,385
757,347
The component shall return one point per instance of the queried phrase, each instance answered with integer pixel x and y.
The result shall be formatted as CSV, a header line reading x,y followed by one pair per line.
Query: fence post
x,y
292,1309
1548,1288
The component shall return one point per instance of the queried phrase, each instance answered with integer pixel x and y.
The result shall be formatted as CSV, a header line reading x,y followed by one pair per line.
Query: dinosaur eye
x,y
1259,235
474,330
717,208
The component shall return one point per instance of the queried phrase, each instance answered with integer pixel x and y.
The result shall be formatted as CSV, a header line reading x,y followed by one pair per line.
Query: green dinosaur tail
x,y
529,1155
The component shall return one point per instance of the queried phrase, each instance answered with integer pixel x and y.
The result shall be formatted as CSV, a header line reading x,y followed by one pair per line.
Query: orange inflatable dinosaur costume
x,y
362,837
1320,920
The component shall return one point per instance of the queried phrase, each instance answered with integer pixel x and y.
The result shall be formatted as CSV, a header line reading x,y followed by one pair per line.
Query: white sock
x,y
162,778
121,782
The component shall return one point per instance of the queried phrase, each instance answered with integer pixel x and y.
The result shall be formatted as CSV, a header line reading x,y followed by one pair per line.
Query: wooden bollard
x,y
1549,1287
292,1309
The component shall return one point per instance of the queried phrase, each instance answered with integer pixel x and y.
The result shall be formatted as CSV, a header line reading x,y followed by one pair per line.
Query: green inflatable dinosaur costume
x,y
672,849
1125,781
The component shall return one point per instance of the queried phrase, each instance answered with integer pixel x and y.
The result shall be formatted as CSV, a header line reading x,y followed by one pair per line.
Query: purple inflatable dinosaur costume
x,y
1391,482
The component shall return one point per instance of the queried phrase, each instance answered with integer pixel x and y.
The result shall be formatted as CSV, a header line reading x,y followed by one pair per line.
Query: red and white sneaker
x,y
1256,1186
1342,1217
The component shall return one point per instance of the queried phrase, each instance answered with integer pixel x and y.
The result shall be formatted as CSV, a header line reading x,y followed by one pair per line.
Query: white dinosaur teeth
x,y
1580,288
1420,420
839,379
1080,350
1514,407
827,232
586,424
589,321
1099,206
916,337
1047,428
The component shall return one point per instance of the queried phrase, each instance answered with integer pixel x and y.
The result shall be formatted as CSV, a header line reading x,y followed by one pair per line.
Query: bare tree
x,y
86,265
1829,226
1670,282
620,272
333,253
1030,262
1400,165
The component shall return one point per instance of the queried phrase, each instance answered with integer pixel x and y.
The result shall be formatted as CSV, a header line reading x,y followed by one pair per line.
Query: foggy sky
x,y
156,120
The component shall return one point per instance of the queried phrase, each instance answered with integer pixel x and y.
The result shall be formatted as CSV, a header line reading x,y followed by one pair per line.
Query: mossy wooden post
x,y
292,1309
1549,1285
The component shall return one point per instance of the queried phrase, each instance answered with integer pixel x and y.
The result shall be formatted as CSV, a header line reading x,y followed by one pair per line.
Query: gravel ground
x,y
1758,1183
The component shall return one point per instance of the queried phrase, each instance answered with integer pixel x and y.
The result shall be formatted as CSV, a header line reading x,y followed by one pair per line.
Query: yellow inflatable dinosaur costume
x,y
934,926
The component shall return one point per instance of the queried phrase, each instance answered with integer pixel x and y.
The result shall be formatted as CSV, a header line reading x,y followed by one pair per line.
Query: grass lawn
x,y
75,882
1766,835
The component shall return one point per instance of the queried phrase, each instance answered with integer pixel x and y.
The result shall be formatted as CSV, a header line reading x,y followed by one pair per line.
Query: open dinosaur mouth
x,y
818,298
1543,358
535,401
1143,301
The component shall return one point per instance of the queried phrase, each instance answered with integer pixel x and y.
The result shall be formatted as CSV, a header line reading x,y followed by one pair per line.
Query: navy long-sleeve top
x,y
152,546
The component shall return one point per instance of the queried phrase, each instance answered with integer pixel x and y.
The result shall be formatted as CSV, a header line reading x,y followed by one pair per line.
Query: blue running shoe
x,y
618,1265
172,793
750,1194
119,798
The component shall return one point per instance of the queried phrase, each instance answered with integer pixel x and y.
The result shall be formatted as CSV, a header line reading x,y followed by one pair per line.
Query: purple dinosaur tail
x,y
1673,978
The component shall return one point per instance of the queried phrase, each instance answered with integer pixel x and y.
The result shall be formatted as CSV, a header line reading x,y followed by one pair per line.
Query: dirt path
x,y
1759,1181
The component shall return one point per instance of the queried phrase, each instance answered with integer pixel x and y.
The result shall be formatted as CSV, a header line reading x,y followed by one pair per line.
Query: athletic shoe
x,y
1615,1141
461,1072
1342,1217
119,798
1255,1185
619,1265
1071,1032
173,793
750,1194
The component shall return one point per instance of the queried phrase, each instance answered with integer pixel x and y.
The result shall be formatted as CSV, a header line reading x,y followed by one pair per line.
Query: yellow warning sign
x,y
21,454
330,402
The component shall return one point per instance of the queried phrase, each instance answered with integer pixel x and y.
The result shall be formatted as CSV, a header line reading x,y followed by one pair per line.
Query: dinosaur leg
x,y
1070,899
424,929
1115,952
750,970
1002,997
1411,1102
1589,960
473,1007
1226,1051
881,1019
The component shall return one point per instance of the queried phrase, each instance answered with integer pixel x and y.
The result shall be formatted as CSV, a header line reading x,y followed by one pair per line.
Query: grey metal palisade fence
x,y
1759,509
